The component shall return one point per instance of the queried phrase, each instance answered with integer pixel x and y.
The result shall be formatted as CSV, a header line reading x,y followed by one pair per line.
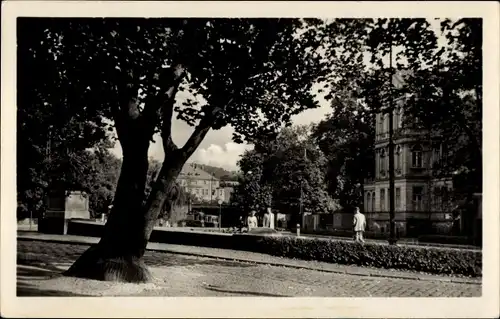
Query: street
x,y
40,264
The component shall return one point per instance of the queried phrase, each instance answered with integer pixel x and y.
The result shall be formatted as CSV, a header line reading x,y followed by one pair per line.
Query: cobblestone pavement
x,y
39,265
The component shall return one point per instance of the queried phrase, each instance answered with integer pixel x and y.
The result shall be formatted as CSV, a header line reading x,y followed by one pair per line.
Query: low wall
x,y
160,235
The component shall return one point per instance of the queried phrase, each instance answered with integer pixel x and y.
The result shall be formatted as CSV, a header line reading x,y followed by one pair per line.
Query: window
x,y
398,160
396,118
400,118
373,201
380,124
398,198
205,182
418,197
368,201
386,123
382,162
382,199
416,156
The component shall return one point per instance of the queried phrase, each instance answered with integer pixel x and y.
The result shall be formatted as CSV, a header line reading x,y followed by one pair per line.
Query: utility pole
x,y
301,207
211,190
392,221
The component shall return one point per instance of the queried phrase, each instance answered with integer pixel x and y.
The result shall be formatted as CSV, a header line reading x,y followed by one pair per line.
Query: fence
x,y
464,227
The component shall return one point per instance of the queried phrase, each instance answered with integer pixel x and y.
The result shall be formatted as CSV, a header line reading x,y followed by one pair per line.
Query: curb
x,y
271,263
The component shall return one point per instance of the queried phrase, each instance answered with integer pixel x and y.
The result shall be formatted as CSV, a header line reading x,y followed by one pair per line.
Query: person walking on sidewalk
x,y
359,224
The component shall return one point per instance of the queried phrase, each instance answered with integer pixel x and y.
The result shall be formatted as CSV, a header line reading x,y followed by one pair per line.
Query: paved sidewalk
x,y
257,258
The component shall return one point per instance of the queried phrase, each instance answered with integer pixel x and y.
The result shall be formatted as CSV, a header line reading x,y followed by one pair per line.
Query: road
x,y
40,264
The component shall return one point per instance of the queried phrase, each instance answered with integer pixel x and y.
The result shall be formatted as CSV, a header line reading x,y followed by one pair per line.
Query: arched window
x,y
416,156
368,201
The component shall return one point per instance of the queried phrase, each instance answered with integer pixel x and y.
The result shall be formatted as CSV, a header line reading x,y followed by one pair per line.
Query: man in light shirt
x,y
359,224
268,220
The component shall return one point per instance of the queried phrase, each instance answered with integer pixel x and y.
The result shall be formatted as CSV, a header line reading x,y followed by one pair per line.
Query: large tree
x,y
347,138
52,136
252,74
278,171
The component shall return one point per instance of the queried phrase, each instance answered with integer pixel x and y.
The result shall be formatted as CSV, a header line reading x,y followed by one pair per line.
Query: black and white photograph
x,y
256,155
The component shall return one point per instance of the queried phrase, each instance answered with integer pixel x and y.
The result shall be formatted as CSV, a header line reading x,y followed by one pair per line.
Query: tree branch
x,y
161,105
168,109
201,131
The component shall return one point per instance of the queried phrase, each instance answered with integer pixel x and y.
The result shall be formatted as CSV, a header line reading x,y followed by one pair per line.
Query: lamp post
x,y
220,212
392,222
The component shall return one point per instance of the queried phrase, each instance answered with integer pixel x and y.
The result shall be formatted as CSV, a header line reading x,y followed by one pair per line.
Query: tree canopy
x,y
275,172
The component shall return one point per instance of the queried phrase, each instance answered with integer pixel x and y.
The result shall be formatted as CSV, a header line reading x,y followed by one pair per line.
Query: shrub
x,y
421,259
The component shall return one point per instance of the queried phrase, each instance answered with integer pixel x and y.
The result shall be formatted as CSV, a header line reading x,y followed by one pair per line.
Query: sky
x,y
218,149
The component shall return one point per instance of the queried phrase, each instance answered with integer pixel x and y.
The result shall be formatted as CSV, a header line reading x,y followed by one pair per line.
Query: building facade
x,y
418,192
204,186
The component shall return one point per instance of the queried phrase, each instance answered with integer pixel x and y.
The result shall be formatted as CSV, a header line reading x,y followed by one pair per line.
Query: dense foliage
x,y
412,258
277,171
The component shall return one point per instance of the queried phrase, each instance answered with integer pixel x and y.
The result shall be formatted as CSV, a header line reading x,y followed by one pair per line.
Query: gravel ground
x,y
40,265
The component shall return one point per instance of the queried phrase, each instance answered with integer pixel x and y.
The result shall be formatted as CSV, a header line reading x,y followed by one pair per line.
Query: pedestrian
x,y
359,225
268,220
252,221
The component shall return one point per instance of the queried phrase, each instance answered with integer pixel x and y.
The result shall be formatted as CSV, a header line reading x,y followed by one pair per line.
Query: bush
x,y
421,259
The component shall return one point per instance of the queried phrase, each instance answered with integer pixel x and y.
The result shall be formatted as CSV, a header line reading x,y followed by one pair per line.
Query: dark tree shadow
x,y
246,293
28,290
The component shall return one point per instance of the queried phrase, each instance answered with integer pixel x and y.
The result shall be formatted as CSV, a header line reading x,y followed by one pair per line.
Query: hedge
x,y
413,258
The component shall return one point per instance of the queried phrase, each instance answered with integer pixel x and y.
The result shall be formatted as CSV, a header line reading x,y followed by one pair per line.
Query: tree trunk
x,y
163,194
118,255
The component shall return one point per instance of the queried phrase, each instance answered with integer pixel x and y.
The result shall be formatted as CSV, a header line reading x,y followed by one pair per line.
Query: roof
x,y
192,170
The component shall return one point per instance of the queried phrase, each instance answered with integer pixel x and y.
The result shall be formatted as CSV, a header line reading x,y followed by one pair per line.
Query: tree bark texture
x,y
118,255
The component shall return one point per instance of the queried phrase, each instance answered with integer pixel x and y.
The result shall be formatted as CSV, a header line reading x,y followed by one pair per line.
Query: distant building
x,y
204,186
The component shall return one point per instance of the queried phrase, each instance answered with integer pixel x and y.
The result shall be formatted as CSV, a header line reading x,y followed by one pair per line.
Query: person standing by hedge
x,y
359,224
252,221
268,220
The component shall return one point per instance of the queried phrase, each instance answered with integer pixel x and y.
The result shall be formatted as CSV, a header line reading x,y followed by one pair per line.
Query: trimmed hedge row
x,y
414,258
421,259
